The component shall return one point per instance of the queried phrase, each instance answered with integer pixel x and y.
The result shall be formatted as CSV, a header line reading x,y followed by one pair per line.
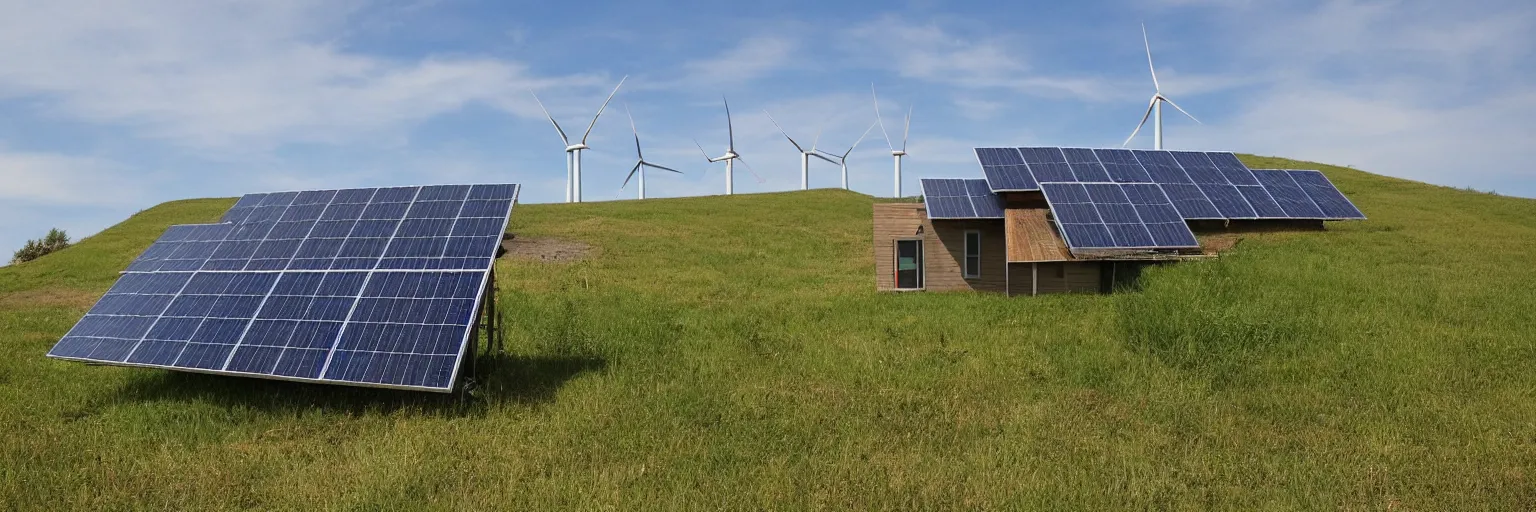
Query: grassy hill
x,y
730,352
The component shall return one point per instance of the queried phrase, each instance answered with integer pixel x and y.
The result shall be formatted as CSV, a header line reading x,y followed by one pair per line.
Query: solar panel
x,y
948,198
1200,185
1085,166
1099,216
375,287
1292,199
1327,197
1005,170
1048,165
1122,166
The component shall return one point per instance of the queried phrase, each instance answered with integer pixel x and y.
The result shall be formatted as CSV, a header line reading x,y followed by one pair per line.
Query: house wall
x,y
943,248
1056,277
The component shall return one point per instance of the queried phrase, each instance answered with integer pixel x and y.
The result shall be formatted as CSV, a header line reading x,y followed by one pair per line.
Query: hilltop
x,y
731,352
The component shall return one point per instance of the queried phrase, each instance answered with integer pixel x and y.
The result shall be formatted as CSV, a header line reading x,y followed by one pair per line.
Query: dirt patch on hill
x,y
49,298
553,250
1219,243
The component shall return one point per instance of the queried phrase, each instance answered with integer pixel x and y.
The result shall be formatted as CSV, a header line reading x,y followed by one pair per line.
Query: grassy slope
x,y
731,353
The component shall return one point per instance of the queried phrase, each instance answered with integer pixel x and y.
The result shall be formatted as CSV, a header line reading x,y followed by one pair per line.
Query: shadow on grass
x,y
518,379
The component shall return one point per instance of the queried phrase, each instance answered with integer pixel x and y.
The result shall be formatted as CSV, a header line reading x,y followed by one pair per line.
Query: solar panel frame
x,y
77,344
1098,217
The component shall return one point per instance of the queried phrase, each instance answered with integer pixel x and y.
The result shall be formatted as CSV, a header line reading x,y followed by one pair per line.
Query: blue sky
x,y
113,107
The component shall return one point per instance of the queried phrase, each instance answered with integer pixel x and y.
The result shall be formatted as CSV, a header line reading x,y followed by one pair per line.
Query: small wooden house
x,y
1121,211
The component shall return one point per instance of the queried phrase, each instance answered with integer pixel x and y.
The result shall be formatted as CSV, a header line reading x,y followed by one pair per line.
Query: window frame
x,y
965,264
922,265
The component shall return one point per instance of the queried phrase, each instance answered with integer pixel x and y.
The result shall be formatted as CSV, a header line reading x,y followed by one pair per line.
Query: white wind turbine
x,y
805,154
573,151
640,163
842,159
1157,102
895,153
731,156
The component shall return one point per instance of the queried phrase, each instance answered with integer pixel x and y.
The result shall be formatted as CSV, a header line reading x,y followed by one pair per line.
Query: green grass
x,y
731,353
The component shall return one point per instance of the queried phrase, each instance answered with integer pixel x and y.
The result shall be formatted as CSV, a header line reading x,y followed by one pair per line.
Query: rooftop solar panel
x,y
1005,170
949,198
1292,199
1048,165
1122,166
1162,167
1085,166
1114,216
1327,197
375,287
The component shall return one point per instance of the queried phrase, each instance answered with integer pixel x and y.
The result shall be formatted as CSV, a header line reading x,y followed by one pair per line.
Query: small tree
x,y
34,249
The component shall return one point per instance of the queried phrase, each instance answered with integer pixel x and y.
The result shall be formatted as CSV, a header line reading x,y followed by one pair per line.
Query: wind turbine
x,y
895,153
805,154
1157,102
573,151
842,159
731,156
640,163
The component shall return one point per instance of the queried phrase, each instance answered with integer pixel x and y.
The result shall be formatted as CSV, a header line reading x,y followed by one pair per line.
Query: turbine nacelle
x,y
576,147
898,152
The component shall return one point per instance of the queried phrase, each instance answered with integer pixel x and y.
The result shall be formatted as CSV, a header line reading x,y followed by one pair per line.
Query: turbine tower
x,y
640,163
573,151
842,159
805,154
895,153
1156,106
731,156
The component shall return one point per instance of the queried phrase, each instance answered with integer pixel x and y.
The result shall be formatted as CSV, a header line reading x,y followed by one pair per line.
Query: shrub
x,y
34,249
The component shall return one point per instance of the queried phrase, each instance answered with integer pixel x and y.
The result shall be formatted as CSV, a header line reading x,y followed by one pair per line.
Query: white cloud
x,y
235,75
67,180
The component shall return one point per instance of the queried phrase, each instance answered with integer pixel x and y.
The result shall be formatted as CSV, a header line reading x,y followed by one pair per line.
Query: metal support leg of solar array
x,y
488,320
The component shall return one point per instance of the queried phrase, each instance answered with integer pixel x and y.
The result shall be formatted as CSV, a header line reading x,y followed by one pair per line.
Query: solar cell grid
x,y
1122,166
1085,166
948,198
1048,165
1005,169
275,287
1291,198
1327,197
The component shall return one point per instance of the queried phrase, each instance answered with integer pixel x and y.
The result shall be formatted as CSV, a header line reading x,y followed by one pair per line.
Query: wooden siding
x,y
1056,277
1031,237
943,248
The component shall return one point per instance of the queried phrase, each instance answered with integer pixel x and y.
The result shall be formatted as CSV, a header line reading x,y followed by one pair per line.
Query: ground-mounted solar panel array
x,y
373,287
960,199
1092,193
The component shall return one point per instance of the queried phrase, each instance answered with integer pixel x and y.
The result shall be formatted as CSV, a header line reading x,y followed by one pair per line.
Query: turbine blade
x,y
908,130
1138,126
662,167
632,129
701,151
563,138
602,108
1176,105
781,130
877,117
1148,44
729,130
820,129
631,174
861,139
749,169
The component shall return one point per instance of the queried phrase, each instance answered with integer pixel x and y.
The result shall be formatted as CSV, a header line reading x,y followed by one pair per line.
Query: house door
x,y
909,264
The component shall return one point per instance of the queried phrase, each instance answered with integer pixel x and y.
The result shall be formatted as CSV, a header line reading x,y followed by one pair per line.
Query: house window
x,y
909,264
972,254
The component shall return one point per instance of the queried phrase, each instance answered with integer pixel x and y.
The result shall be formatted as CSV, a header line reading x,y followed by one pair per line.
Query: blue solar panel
x,y
274,291
960,199
1085,166
1191,202
1099,216
1122,166
1228,201
1292,199
1199,168
1232,168
1264,205
1005,170
1328,198
1048,165
1162,167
